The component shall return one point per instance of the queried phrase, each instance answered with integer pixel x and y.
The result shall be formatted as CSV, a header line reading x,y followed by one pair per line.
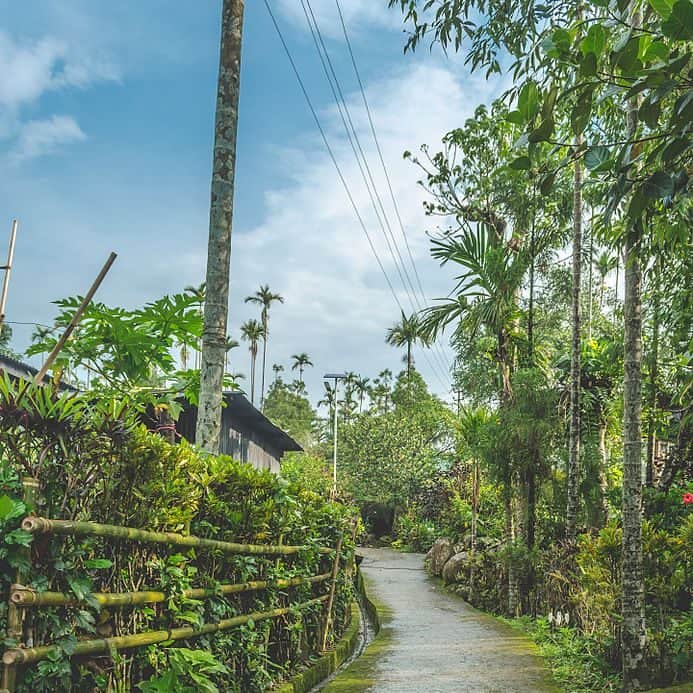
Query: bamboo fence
x,y
23,598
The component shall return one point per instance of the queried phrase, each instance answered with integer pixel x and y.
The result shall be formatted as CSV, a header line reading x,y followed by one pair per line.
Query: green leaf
x,y
659,185
98,563
675,148
543,132
662,7
546,184
656,50
597,156
580,115
10,508
522,163
595,41
528,101
679,24
515,117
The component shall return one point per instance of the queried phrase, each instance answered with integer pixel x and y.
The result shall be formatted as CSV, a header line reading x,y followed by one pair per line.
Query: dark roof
x,y
245,413
19,369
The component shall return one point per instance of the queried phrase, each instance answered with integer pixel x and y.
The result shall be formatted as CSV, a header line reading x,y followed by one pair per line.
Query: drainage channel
x,y
366,635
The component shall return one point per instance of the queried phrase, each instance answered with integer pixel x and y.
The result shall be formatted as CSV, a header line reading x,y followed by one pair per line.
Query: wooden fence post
x,y
333,586
15,614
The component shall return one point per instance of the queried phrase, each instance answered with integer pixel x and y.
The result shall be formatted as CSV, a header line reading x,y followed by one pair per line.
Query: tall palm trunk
x,y
253,362
220,219
653,378
265,325
604,461
633,588
574,445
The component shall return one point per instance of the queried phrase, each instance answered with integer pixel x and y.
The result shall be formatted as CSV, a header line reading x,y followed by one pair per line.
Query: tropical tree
x,y
301,361
264,297
277,368
252,332
231,344
406,333
361,386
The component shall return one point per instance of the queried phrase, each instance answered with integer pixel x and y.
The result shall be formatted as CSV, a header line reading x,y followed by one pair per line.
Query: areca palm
x,y
230,345
406,333
300,363
486,293
265,298
252,332
198,294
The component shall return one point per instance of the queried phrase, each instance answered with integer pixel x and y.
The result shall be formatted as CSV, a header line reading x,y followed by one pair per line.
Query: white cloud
x,y
29,70
39,137
311,249
358,15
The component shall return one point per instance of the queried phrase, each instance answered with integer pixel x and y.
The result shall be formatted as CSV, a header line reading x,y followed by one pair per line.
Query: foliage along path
x,y
432,641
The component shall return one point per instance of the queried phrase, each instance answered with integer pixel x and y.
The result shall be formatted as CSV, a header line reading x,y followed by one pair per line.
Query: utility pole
x,y
214,331
336,377
8,269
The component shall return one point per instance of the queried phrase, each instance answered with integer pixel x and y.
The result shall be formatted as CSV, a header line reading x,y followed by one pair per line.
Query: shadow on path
x,y
432,641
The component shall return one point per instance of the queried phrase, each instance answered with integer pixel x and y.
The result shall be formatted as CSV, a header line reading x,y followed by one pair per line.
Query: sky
x,y
106,133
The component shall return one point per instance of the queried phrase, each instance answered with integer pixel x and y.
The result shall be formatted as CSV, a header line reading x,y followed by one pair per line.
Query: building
x,y
18,369
247,434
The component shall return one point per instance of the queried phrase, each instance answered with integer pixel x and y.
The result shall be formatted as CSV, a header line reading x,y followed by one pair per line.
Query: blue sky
x,y
106,123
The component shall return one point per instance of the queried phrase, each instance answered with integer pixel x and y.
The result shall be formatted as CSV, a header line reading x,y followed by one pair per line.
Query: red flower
x,y
688,498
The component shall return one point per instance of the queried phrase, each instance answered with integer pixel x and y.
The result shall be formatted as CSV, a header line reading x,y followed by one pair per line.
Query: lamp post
x,y
336,377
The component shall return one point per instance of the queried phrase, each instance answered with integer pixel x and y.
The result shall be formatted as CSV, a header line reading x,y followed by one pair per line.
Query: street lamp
x,y
336,377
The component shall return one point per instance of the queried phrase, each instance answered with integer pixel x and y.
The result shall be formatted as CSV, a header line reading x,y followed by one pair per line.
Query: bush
x,y
109,470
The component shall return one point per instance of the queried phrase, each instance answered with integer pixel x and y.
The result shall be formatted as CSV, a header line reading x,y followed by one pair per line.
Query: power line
x,y
439,353
334,159
329,150
364,168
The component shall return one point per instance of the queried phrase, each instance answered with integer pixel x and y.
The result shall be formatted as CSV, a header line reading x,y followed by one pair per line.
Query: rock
x,y
455,567
438,556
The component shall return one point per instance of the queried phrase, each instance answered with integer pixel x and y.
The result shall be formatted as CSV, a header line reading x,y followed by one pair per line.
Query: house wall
x,y
236,440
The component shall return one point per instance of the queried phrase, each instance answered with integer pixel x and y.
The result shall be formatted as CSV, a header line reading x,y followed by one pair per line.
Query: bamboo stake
x,y
15,616
30,655
42,525
24,597
333,586
75,319
8,269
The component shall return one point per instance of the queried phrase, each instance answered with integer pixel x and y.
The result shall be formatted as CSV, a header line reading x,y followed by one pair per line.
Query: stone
x,y
438,556
455,567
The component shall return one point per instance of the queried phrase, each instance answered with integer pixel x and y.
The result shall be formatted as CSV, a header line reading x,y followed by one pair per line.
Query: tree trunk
x,y
574,445
633,587
603,463
220,221
654,376
264,361
253,361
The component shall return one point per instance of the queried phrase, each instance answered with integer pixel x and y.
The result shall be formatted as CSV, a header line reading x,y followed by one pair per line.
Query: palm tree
x,y
220,222
265,298
300,363
406,333
487,291
230,345
277,368
472,424
605,263
362,386
198,294
252,332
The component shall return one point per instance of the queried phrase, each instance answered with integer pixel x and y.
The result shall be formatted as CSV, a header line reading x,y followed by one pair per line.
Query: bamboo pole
x,y
333,585
42,525
30,655
75,319
8,269
15,616
24,597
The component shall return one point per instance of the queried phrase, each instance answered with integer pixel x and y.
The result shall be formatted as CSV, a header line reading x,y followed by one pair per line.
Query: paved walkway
x,y
433,642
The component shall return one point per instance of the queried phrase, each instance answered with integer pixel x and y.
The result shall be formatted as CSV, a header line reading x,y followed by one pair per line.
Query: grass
x,y
576,661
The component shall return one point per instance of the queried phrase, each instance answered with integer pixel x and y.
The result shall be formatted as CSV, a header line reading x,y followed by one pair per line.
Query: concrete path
x,y
433,642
